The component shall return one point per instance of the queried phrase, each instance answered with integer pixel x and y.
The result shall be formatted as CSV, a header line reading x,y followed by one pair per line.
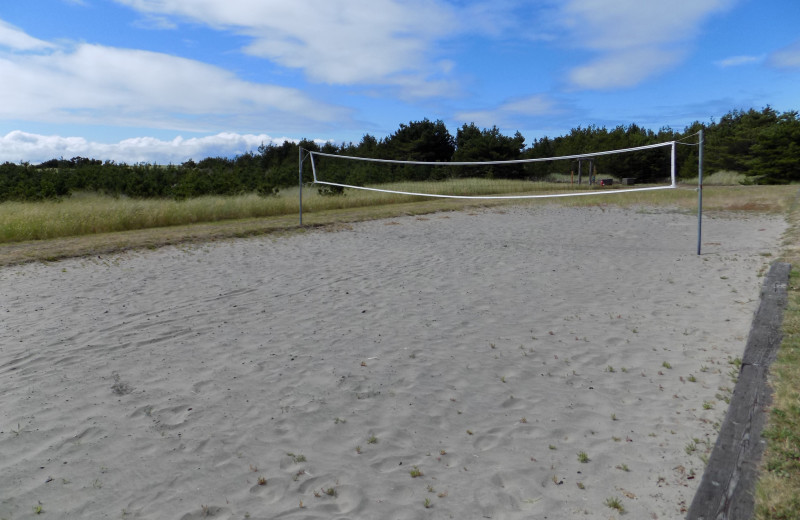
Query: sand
x,y
487,350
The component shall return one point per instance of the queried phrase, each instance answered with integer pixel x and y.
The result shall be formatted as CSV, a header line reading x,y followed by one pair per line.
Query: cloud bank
x,y
17,146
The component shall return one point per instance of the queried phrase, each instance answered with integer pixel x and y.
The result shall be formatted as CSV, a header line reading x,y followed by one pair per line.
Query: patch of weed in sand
x,y
372,440
427,503
297,459
416,472
583,458
615,503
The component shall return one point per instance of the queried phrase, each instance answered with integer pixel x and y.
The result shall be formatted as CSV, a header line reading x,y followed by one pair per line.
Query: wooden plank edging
x,y
727,488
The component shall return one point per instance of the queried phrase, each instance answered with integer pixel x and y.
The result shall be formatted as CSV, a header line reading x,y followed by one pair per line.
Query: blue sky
x,y
167,80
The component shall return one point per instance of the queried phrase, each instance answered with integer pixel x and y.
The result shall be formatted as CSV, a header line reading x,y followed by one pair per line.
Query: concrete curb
x,y
727,489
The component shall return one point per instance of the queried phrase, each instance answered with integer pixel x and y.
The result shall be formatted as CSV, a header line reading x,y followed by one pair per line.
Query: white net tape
x,y
672,184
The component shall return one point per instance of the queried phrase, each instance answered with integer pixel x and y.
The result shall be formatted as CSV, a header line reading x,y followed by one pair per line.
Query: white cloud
x,y
736,61
531,106
16,146
16,39
383,42
622,69
511,113
786,58
635,39
157,23
111,86
626,24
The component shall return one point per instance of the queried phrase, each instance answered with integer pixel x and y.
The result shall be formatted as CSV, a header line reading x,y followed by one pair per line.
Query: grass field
x,y
90,224
778,490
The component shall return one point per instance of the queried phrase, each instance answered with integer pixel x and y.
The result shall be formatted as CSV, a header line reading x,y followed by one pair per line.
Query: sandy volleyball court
x,y
314,376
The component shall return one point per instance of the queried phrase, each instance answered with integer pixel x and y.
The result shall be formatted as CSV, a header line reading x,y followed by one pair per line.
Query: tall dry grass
x,y
85,214
89,213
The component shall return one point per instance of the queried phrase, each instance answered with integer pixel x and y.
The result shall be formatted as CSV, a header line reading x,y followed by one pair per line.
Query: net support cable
x,y
673,183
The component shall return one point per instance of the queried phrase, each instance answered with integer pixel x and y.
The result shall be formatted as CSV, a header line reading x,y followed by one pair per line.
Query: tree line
x,y
762,144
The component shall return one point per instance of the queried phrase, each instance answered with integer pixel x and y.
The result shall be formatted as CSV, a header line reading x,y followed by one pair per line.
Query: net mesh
x,y
648,167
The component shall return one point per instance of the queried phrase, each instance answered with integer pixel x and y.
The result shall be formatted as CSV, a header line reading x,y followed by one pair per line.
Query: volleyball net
x,y
648,167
